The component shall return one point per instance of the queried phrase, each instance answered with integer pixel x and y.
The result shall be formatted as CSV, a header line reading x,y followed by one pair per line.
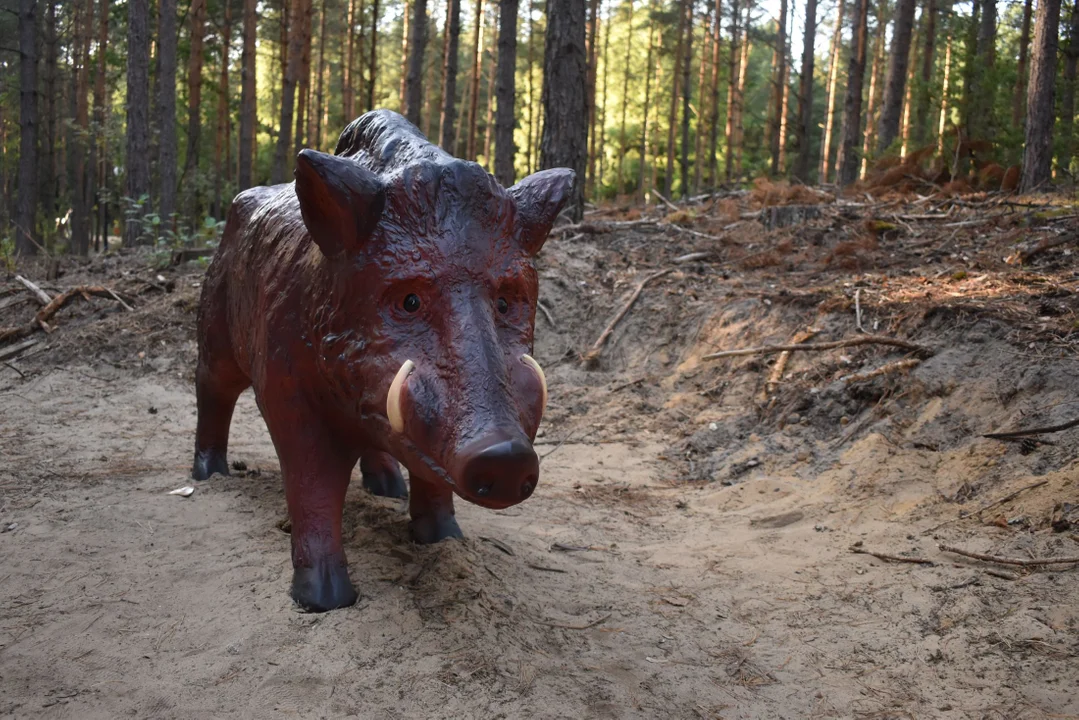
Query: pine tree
x,y
1038,150
565,110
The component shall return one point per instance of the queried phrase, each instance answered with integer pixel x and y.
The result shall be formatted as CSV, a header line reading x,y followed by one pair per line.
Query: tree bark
x,y
26,204
281,161
138,118
590,93
1038,150
944,89
372,70
784,113
805,95
406,13
929,45
1067,94
305,78
894,89
983,85
166,111
713,115
1019,96
448,119
740,105
348,61
474,82
852,110
779,80
417,41
565,110
672,117
687,96
49,189
702,97
194,100
531,94
734,60
314,123
488,128
221,143
647,101
82,199
833,84
99,159
874,87
907,102
602,121
248,107
620,183
506,119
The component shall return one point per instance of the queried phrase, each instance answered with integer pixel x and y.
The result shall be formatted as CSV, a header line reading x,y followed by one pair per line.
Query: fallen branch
x,y
1006,498
666,202
597,348
891,558
1033,431
691,257
783,359
547,314
54,305
848,342
1010,561
897,366
1021,257
13,350
41,295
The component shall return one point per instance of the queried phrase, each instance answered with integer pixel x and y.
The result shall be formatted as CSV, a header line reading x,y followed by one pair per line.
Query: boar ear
x,y
540,198
340,201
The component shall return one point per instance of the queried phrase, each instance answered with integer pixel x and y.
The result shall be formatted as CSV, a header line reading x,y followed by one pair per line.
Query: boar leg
x,y
316,473
218,383
382,475
431,506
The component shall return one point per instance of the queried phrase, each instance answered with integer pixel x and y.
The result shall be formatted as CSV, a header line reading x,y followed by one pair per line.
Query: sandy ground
x,y
688,553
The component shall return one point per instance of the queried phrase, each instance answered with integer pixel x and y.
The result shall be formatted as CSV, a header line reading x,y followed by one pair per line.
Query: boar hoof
x,y
208,462
322,588
434,528
385,482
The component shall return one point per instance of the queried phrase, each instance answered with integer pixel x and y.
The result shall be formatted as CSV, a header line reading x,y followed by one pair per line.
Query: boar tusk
x,y
393,398
531,361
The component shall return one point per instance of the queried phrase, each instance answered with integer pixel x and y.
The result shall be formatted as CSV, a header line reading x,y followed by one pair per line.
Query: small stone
x,y
713,426
844,420
803,456
794,418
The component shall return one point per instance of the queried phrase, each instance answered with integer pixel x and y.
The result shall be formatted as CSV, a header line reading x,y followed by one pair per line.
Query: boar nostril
x,y
483,490
526,490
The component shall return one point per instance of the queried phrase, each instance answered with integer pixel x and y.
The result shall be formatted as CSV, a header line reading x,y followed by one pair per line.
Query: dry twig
x,y
597,348
50,309
897,366
1007,497
1033,431
891,558
1022,562
783,359
848,342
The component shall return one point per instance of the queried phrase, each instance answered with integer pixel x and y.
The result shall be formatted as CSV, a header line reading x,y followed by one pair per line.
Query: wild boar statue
x,y
382,307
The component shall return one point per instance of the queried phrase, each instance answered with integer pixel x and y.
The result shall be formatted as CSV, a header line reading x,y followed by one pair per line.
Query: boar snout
x,y
497,471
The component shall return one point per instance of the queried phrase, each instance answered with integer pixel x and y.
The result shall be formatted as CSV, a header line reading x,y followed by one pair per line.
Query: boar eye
x,y
503,306
412,303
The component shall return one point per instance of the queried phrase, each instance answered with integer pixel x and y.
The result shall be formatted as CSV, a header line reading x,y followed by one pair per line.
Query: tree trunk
x,y
622,148
281,161
194,99
348,61
49,189
713,114
166,112
602,122
734,60
874,87
805,95
221,161
784,110
531,94
672,117
488,128
83,197
314,124
448,120
852,110
942,123
138,117
1067,95
1020,95
474,82
891,107
406,12
983,85
26,205
417,41
373,62
506,119
702,110
248,105
590,93
99,159
740,105
1038,150
687,96
779,80
565,110
905,125
305,78
647,101
833,84
929,45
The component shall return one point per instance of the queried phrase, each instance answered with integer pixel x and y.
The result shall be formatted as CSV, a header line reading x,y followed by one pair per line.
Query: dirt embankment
x,y
694,547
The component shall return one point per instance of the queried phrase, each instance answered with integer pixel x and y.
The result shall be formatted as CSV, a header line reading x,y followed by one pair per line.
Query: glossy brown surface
x,y
389,251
